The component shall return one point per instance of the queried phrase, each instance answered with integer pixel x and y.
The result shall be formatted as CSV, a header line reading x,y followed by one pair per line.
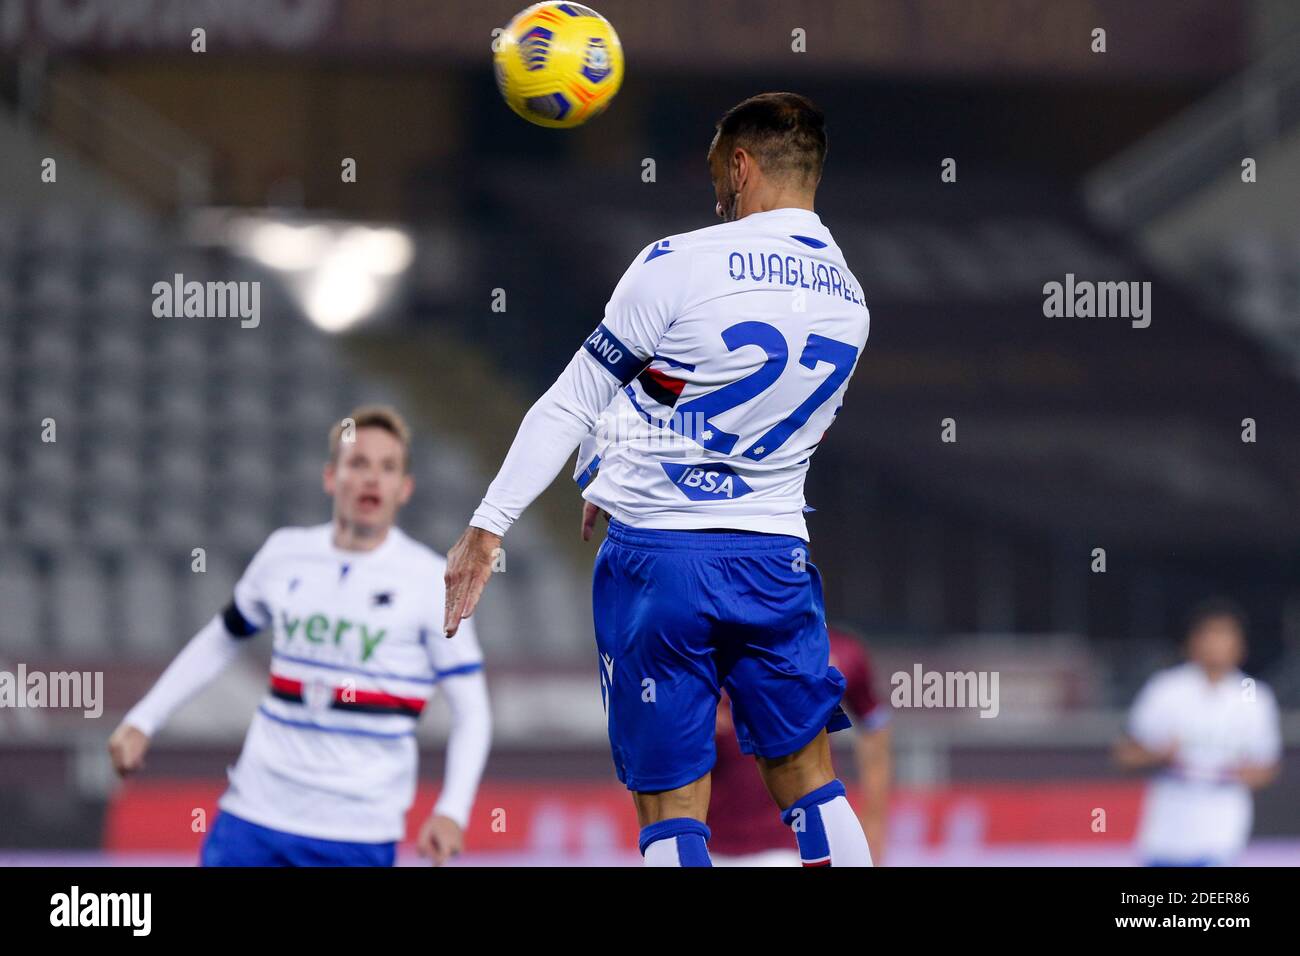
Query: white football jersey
x,y
734,344
357,653
1197,810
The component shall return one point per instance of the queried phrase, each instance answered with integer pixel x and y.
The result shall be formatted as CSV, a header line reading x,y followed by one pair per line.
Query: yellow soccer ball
x,y
558,64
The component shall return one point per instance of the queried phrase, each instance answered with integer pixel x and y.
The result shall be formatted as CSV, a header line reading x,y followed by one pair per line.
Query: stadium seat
x,y
205,594
79,607
48,399
124,231
58,230
51,349
177,349
20,596
48,469
112,522
178,526
147,591
123,291
54,287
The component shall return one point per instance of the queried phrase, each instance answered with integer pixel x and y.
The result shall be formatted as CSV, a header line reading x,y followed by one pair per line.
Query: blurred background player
x,y
1210,735
744,832
328,769
727,351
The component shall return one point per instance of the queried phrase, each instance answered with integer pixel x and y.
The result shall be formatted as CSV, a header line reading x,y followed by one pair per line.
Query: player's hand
x,y
469,565
440,839
1255,776
1166,756
127,748
589,513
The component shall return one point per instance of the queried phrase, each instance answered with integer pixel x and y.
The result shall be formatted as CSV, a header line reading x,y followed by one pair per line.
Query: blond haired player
x,y
354,612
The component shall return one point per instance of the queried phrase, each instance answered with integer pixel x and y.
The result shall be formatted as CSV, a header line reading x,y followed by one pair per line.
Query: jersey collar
x,y
785,211
356,557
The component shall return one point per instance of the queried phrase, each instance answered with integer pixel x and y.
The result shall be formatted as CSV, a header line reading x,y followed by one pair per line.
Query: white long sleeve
x,y
642,307
207,654
548,435
467,746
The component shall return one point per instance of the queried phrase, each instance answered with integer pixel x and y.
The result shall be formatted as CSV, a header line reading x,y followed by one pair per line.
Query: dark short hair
x,y
785,132
1213,609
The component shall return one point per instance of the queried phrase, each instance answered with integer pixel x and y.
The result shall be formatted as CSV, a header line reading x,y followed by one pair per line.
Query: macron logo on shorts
x,y
617,359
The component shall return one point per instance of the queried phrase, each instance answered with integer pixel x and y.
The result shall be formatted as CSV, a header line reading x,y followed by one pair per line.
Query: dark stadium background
x,y
1072,433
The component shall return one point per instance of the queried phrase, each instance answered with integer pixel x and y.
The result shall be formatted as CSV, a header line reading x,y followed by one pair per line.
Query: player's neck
x,y
353,537
1215,675
771,201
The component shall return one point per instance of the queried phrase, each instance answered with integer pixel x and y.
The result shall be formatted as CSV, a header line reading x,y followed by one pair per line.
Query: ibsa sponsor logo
x,y
707,482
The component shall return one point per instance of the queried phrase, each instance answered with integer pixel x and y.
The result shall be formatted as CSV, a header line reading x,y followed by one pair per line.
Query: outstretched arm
x,y
207,654
1258,776
546,439
550,432
1131,755
644,304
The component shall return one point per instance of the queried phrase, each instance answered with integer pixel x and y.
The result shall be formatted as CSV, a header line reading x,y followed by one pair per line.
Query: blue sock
x,y
680,841
826,828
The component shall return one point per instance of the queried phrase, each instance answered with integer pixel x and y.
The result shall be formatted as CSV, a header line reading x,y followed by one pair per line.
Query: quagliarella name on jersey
x,y
794,271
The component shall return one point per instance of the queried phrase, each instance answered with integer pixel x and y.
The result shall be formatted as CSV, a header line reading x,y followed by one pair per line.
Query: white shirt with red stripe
x,y
357,653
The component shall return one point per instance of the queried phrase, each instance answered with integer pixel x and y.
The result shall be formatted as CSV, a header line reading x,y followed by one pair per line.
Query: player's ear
x,y
744,169
327,478
408,488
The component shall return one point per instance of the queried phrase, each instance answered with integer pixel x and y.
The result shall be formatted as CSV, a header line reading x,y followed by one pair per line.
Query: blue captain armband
x,y
615,357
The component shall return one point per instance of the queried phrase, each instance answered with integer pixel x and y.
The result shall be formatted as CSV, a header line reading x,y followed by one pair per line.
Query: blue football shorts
x,y
234,841
680,615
